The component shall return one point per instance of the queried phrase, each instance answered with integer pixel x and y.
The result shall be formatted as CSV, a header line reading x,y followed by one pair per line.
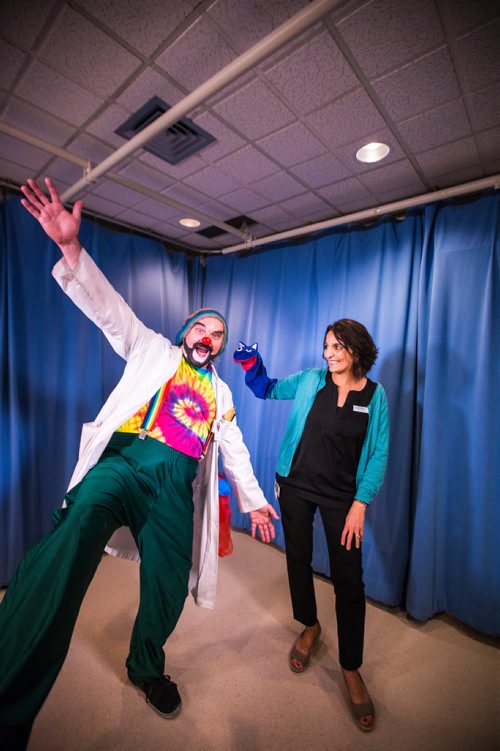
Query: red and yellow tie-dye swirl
x,y
186,413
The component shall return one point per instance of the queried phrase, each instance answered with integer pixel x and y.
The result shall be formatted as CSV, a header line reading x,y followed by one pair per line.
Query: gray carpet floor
x,y
435,684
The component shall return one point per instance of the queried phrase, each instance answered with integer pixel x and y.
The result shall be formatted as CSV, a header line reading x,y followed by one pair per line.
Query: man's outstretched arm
x,y
61,225
78,275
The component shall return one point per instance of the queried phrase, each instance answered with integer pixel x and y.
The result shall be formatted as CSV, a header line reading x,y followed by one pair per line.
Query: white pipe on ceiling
x,y
295,25
39,143
373,213
390,208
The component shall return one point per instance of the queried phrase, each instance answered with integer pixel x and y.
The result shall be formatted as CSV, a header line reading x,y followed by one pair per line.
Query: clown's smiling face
x,y
203,341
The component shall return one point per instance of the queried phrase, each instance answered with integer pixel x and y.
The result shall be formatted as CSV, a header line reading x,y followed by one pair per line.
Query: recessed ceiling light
x,y
187,222
372,152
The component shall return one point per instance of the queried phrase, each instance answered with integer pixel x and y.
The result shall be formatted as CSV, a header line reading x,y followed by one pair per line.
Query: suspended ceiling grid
x,y
422,77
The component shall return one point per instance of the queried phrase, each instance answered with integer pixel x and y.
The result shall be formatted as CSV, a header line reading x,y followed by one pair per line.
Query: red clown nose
x,y
206,340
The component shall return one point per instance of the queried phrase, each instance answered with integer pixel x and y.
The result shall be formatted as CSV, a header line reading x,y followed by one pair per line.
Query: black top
x,y
325,462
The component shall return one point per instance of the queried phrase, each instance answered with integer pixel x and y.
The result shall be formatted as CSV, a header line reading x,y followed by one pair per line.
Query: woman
x,y
332,457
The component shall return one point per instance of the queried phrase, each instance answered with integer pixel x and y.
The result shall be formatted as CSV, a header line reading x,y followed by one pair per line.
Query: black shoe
x,y
161,694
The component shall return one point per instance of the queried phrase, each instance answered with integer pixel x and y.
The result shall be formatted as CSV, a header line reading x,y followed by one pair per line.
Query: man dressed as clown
x,y
147,463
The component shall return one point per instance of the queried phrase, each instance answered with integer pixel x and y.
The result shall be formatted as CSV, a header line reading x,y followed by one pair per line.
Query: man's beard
x,y
196,354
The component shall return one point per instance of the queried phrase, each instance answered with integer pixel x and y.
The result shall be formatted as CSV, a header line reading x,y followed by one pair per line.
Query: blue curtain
x,y
57,368
454,563
426,287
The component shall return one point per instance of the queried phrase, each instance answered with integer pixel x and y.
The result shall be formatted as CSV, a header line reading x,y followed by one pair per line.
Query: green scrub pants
x,y
142,484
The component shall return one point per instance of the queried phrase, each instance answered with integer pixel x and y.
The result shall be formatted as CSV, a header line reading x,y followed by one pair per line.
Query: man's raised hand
x,y
59,224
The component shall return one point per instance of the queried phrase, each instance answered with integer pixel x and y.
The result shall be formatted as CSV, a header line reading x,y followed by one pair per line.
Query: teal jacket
x,y
302,388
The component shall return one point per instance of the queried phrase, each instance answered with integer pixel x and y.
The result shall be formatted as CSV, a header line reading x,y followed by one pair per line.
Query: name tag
x,y
357,408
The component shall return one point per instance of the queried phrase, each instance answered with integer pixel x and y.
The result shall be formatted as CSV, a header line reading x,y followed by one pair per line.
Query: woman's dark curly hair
x,y
358,341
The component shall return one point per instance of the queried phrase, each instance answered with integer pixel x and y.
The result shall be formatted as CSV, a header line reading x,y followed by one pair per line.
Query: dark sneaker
x,y
161,694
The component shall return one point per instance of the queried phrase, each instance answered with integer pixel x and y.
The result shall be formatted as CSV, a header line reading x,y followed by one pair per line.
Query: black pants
x,y
346,572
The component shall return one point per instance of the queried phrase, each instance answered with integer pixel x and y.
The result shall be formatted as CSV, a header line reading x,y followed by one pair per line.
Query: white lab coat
x,y
151,359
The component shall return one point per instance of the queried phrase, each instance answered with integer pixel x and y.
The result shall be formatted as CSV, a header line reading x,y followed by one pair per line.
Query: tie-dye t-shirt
x,y
186,413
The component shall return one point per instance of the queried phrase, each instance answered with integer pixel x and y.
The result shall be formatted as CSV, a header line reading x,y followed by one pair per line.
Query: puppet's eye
x,y
239,347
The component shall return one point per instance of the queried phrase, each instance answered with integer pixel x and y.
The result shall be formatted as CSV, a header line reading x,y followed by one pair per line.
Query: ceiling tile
x,y
90,149
292,223
418,86
226,141
37,123
244,200
399,193
488,144
396,175
479,56
106,123
248,165
146,85
349,190
466,15
441,125
239,83
384,34
292,145
217,210
212,181
289,48
454,156
254,121
62,171
168,230
350,117
57,94
157,209
271,216
185,194
20,23
286,131
11,60
14,172
259,230
151,178
321,171
196,55
306,205
102,206
26,155
78,49
176,171
117,193
278,187
484,107
351,206
143,28
455,178
245,23
313,75
136,218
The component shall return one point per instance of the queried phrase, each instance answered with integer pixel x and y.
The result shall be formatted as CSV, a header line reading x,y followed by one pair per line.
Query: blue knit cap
x,y
193,317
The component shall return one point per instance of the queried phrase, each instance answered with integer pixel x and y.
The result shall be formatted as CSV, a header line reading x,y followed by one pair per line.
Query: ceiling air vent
x,y
239,222
175,143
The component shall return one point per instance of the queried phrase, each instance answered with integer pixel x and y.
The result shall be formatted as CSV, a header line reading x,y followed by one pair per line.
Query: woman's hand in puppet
x,y
256,377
